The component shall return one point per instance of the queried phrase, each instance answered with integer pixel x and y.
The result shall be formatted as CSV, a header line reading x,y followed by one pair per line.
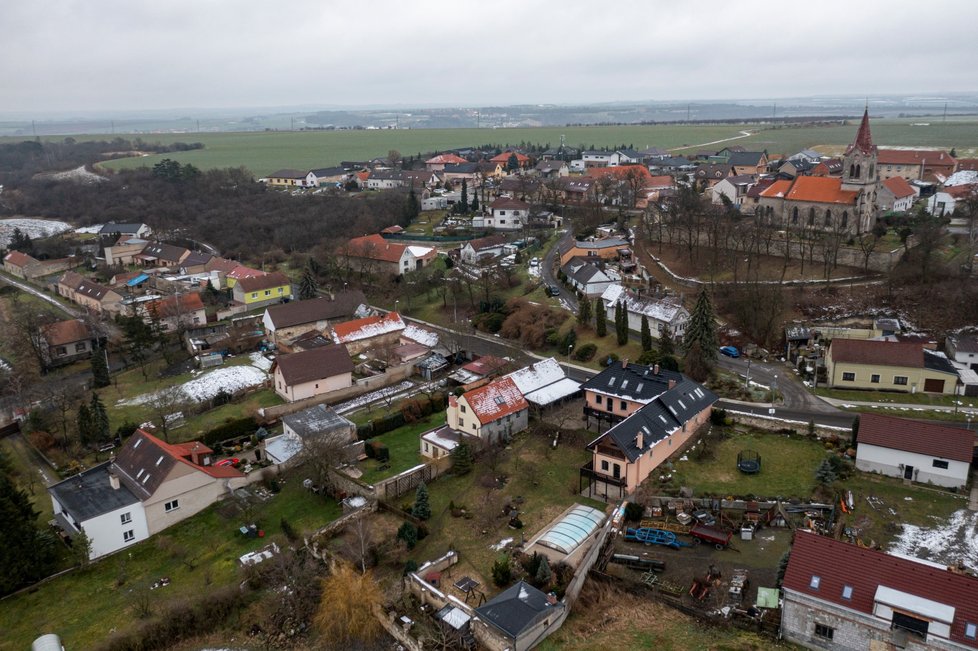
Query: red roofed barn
x,y
840,596
910,449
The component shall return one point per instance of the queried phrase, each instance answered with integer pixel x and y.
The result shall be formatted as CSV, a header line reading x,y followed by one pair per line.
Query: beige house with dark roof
x,y
289,320
67,341
888,366
89,294
313,372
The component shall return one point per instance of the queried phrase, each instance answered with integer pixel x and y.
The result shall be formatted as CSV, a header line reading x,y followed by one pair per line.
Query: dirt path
x,y
743,134
26,287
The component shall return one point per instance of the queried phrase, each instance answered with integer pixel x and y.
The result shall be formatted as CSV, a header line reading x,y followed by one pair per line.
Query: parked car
x,y
233,461
553,290
534,262
729,351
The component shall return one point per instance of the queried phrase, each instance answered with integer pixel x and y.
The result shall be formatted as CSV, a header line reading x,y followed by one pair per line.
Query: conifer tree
x,y
101,432
544,574
646,334
461,459
700,343
621,323
463,204
666,345
100,369
308,285
600,318
422,507
584,311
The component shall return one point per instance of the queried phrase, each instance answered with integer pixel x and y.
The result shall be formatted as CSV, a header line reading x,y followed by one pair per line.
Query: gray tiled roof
x,y
88,494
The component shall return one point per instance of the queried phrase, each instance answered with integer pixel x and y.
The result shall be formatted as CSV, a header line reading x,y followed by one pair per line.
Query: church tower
x,y
859,173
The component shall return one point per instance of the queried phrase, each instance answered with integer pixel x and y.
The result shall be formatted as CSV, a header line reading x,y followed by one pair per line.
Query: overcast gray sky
x,y
82,55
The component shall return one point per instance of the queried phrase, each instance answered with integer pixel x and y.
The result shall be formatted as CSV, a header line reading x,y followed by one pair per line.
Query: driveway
x,y
567,297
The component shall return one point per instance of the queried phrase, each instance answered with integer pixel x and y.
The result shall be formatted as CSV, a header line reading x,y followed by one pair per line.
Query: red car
x,y
228,462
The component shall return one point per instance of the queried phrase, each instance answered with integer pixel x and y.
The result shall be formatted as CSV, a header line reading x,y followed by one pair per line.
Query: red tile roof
x,y
864,139
375,247
240,271
967,164
267,281
821,189
839,564
19,259
371,326
66,332
960,191
504,157
899,187
485,365
446,159
915,436
622,172
758,188
914,157
495,400
879,353
177,305
776,190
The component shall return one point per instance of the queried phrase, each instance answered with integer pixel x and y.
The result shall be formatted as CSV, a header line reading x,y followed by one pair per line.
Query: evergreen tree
x,y
422,507
544,575
646,334
27,553
782,568
101,432
666,345
825,473
409,534
462,459
139,340
701,338
621,323
86,425
475,202
600,318
308,285
21,241
100,369
464,201
512,163
411,207
584,311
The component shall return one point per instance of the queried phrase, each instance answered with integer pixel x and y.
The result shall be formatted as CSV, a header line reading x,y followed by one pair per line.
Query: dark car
x,y
730,351
553,290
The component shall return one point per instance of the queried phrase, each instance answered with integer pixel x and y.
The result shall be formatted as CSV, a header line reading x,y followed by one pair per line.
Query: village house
x,y
947,200
312,372
385,180
374,253
151,485
909,449
20,264
176,312
601,158
289,320
962,349
552,169
896,194
320,429
521,615
441,441
128,230
479,369
734,188
492,413
64,342
888,366
674,409
195,263
482,249
125,251
793,168
751,200
438,163
92,296
506,214
587,278
234,271
710,174
162,255
329,176
289,178
379,334
571,189
916,164
828,167
609,248
261,291
661,313
842,596
504,159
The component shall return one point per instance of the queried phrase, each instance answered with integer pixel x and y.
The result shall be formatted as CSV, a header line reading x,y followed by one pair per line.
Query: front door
x,y
617,472
908,472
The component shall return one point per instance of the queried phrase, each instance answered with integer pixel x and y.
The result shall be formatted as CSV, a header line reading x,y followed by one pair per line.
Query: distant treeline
x,y
20,161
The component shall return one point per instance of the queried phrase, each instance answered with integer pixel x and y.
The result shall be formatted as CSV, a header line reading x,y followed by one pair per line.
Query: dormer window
x,y
814,583
847,592
160,460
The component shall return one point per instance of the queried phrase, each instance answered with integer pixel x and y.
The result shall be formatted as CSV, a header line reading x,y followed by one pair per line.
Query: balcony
x,y
601,486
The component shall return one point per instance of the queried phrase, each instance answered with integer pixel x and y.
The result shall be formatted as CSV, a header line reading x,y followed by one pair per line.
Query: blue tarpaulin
x,y
138,280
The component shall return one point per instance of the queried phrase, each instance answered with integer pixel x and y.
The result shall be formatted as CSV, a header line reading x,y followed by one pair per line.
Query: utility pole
x,y
945,112
34,128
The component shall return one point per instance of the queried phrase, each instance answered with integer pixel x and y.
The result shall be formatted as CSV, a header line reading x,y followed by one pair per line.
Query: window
x,y
845,218
254,295
970,630
281,290
461,408
80,348
814,583
126,518
604,464
461,422
828,217
597,400
794,215
874,378
940,463
502,212
268,292
128,536
824,632
811,216
900,380
848,377
171,506
502,221
847,592
624,405
61,350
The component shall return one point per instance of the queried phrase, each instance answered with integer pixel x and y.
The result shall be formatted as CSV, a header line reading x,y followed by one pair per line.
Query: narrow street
x,y
567,297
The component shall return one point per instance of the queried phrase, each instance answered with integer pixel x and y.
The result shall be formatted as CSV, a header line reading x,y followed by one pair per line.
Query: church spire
x,y
864,139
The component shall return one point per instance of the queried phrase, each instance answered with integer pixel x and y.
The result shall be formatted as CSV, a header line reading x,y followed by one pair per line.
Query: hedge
x,y
230,430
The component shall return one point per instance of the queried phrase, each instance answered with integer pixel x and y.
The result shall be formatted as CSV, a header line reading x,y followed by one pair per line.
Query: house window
x,y
847,592
461,423
61,350
171,506
900,380
268,292
80,348
940,463
624,405
824,632
502,221
828,217
604,464
597,400
811,216
848,377
254,295
281,290
794,215
970,630
815,582
126,518
473,425
874,378
502,212
845,218
128,536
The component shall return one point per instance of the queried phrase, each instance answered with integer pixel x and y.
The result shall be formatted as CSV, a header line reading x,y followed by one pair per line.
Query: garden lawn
x,y
788,466
917,505
547,479
84,606
404,447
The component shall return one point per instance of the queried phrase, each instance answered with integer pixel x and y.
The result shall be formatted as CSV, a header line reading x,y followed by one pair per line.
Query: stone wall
x,y
775,423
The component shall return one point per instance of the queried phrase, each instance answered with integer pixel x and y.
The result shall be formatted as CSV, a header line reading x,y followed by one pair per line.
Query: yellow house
x,y
888,366
260,291
291,179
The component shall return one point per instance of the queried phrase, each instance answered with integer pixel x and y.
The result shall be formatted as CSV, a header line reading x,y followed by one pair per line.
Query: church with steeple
x,y
846,205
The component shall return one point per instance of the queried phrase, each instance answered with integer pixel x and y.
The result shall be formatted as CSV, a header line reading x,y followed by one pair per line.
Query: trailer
x,y
719,538
639,563
654,537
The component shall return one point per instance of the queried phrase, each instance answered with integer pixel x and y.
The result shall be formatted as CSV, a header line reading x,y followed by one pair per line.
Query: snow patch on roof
x,y
420,335
665,310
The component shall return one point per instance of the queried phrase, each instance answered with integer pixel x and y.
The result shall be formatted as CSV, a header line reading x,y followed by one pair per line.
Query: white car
x,y
534,262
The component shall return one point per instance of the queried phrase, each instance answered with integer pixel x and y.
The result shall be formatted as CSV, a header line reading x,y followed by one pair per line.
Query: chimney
x,y
113,480
655,369
640,440
672,383
195,455
624,363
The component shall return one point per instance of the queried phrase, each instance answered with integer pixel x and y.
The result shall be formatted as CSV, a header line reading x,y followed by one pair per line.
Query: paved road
x,y
796,395
550,261
839,419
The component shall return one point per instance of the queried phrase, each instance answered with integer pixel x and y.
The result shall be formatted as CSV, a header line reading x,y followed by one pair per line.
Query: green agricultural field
x,y
264,152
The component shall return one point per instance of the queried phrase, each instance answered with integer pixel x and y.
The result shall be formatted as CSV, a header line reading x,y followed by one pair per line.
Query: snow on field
x,y
207,385
948,542
92,230
36,228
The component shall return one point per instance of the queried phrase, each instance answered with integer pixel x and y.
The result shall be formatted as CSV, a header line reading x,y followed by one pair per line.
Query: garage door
x,y
934,386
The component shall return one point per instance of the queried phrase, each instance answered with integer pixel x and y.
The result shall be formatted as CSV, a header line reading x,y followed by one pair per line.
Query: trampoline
x,y
749,462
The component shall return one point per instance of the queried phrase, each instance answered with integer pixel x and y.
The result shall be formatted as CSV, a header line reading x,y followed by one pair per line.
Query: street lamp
x,y
395,304
569,348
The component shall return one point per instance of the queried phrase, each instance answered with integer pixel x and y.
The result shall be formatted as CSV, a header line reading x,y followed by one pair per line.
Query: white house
x,y
608,158
734,188
484,248
909,449
313,372
491,413
896,194
660,312
945,201
385,180
962,349
507,214
588,278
